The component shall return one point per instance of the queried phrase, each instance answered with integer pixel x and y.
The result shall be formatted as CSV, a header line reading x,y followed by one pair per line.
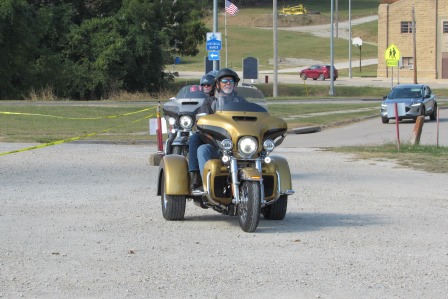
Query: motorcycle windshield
x,y
245,106
252,94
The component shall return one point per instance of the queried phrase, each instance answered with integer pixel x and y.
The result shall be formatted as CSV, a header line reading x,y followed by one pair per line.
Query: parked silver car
x,y
418,100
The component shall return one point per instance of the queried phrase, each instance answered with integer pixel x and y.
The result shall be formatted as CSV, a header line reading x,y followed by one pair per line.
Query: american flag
x,y
231,8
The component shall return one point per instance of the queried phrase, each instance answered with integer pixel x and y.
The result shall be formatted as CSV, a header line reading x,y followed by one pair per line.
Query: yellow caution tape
x,y
73,138
76,118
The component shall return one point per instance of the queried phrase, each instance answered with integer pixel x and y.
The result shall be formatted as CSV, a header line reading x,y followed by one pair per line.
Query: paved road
x,y
372,131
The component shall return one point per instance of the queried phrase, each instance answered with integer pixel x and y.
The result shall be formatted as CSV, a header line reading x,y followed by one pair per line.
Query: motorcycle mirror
x,y
200,114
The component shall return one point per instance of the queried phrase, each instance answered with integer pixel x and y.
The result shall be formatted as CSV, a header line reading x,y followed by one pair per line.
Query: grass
x,y
249,23
422,157
53,123
357,72
99,122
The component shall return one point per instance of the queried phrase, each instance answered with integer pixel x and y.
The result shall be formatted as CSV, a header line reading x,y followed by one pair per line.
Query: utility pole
x,y
215,28
332,51
349,38
337,18
274,29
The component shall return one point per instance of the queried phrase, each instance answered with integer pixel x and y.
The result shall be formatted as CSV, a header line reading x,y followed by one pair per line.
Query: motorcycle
x,y
180,114
247,181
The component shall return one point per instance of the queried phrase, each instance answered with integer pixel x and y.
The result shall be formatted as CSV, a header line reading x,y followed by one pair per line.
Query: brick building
x,y
431,37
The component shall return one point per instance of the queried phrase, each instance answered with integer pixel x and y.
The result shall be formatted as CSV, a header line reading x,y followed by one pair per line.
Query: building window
x,y
445,27
406,27
407,63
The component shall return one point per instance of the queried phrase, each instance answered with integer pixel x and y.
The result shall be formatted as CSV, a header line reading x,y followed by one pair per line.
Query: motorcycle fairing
x,y
236,124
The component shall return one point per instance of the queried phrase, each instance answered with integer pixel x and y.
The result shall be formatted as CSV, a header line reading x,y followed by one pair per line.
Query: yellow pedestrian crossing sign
x,y
392,55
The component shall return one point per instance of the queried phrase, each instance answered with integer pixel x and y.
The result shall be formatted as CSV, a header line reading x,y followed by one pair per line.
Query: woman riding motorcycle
x,y
207,82
224,92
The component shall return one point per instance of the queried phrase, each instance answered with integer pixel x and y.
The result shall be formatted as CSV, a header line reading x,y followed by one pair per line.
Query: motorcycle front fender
x,y
177,179
282,168
250,174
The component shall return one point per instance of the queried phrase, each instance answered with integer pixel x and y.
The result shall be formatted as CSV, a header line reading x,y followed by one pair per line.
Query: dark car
x,y
417,99
318,71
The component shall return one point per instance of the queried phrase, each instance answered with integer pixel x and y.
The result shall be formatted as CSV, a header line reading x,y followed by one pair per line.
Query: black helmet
x,y
227,72
212,73
207,79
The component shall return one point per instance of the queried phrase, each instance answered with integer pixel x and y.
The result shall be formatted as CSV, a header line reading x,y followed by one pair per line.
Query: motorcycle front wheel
x,y
249,208
173,206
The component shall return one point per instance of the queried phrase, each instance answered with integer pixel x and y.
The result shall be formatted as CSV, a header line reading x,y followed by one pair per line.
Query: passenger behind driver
x,y
207,82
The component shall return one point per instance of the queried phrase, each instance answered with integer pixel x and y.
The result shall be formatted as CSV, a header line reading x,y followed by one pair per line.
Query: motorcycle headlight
x,y
268,145
172,121
186,122
227,144
247,146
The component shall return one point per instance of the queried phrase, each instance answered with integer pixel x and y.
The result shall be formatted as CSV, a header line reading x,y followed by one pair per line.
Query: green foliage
x,y
90,49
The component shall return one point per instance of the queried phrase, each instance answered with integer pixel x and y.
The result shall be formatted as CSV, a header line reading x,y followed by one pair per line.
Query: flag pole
x,y
225,31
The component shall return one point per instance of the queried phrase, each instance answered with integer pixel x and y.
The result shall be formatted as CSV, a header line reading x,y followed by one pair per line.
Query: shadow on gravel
x,y
295,222
303,222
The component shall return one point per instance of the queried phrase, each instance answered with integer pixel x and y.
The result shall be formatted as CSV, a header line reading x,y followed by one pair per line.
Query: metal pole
x,y
414,45
225,32
397,126
360,58
349,38
332,52
215,28
274,29
337,18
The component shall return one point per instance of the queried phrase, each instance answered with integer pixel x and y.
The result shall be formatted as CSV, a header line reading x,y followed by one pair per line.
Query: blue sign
x,y
213,42
213,55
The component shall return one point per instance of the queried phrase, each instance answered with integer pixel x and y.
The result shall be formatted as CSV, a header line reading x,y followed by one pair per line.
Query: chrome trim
x,y
235,181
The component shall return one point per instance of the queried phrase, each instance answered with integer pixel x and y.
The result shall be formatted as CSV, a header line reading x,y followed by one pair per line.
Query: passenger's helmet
x,y
207,79
212,73
228,72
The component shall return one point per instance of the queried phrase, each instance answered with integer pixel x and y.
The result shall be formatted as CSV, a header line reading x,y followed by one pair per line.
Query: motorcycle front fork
x,y
236,181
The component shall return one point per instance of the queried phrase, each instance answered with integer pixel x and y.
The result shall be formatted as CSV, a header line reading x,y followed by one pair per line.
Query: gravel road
x,y
83,221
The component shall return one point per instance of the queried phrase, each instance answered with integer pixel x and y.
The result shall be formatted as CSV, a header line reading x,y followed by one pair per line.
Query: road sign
x,y
213,42
213,55
392,55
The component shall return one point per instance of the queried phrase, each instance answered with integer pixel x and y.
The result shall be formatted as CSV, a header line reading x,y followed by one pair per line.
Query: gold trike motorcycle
x,y
247,181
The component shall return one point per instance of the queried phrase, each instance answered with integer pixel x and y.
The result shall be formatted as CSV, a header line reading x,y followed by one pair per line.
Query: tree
x,y
89,49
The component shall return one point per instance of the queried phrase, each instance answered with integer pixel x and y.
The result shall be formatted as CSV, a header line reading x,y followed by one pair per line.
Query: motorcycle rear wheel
x,y
173,206
249,208
276,211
